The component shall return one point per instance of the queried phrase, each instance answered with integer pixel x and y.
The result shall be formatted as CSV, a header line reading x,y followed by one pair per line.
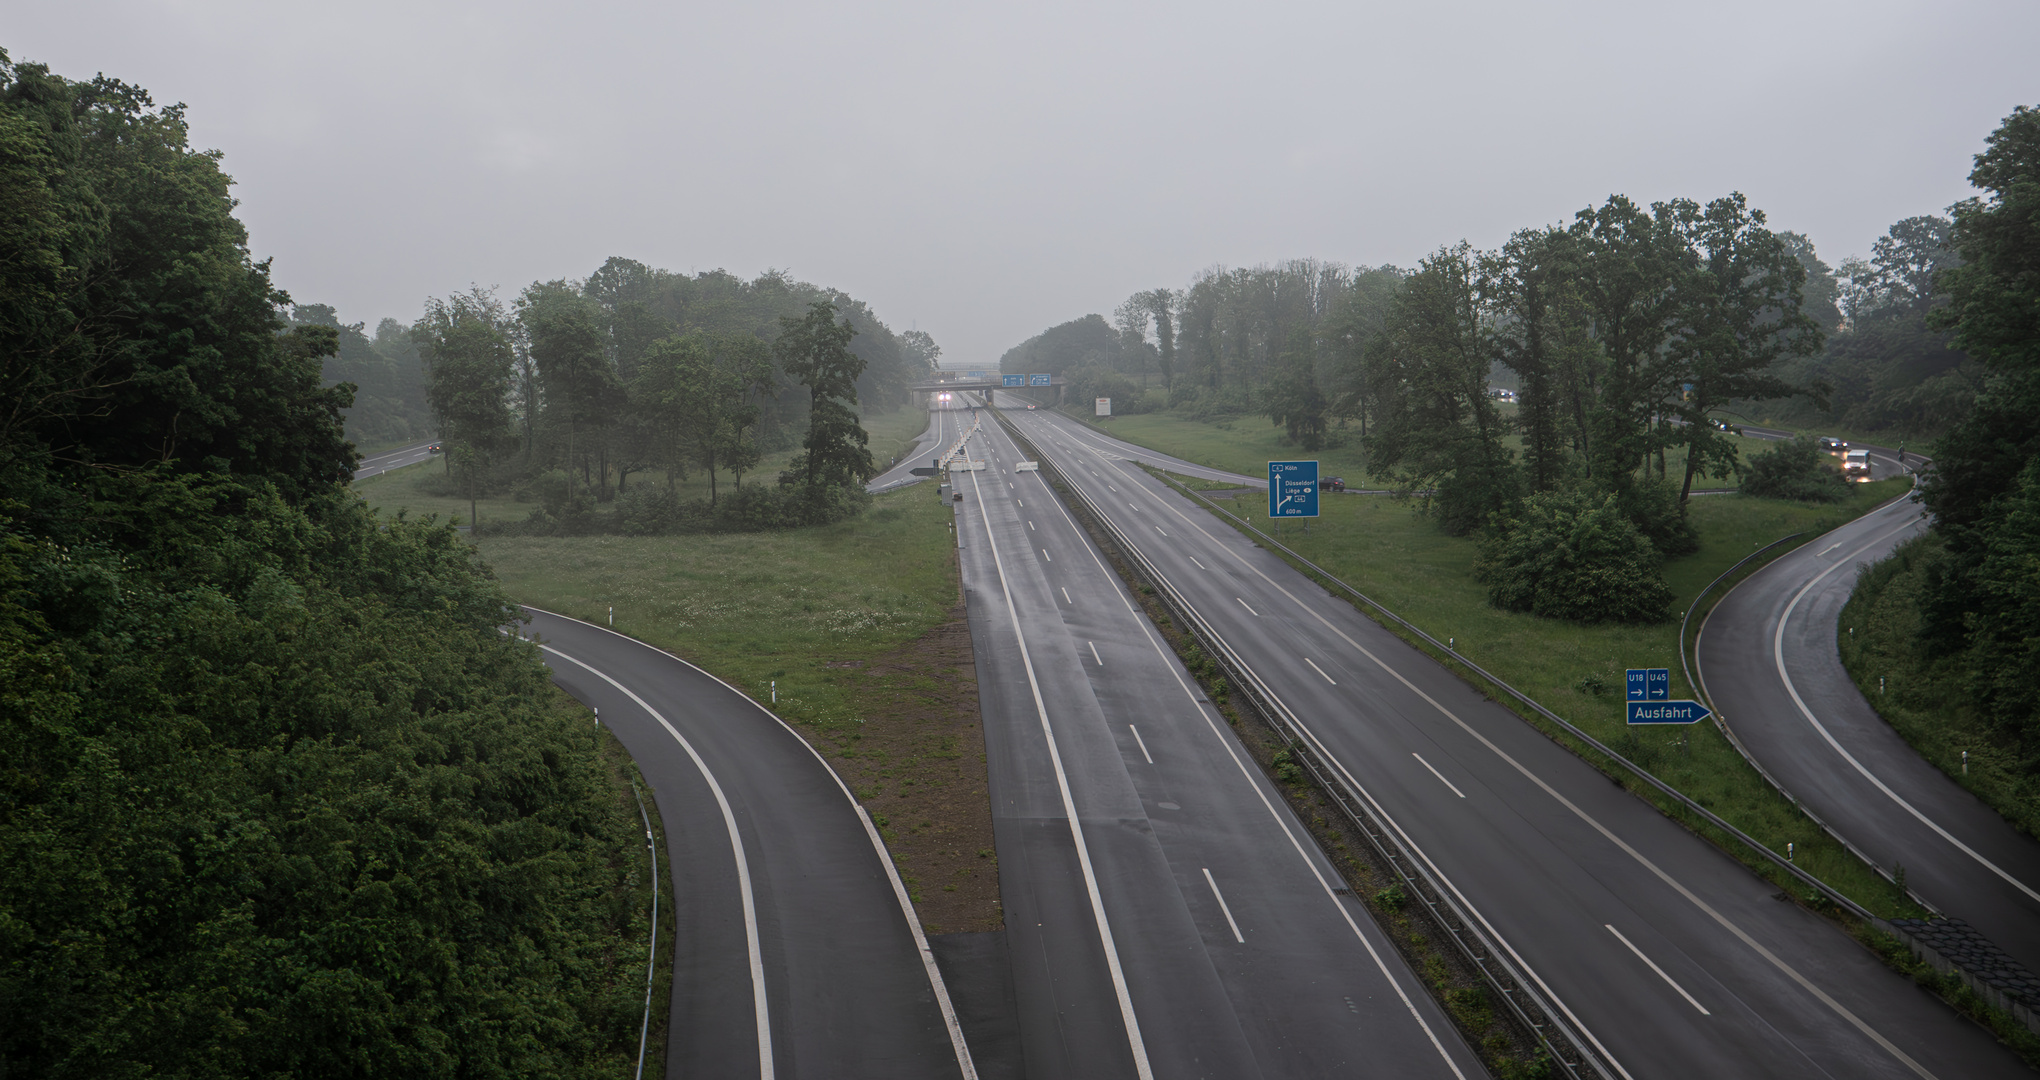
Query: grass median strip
x,y
858,630
1404,562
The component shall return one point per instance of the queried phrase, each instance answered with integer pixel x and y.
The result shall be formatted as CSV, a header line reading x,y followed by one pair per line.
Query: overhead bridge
x,y
976,384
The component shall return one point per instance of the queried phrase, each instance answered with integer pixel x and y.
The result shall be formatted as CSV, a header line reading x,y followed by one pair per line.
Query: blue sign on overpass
x,y
1038,380
1667,712
1292,489
1012,380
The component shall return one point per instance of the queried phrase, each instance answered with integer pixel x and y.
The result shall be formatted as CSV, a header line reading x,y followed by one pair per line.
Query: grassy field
x,y
1927,700
1248,444
860,626
1401,560
422,489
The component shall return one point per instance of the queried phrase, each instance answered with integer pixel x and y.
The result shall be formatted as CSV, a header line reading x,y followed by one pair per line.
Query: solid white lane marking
x,y
1249,607
1439,775
1257,782
1200,565
1660,971
1062,781
1778,658
1094,653
759,1006
892,871
1142,743
1223,906
1066,596
1675,884
1314,667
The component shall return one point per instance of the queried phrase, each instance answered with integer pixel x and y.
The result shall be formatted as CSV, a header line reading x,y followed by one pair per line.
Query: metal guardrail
x,y
1721,724
1567,1049
1709,816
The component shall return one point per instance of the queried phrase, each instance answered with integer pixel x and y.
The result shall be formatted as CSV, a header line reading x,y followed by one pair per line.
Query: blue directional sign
x,y
1649,684
1038,380
1667,712
1012,380
1292,489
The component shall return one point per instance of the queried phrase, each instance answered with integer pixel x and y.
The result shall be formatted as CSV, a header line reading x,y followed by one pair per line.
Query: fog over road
x,y
796,954
1167,915
1671,956
1768,658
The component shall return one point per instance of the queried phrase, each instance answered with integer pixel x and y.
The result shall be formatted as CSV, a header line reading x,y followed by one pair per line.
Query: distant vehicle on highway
x,y
1331,483
1856,464
943,396
1831,444
1722,425
433,449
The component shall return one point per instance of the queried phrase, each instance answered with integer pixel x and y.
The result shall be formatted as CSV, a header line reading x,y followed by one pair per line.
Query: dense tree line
x,y
1625,334
1980,594
277,796
390,406
575,387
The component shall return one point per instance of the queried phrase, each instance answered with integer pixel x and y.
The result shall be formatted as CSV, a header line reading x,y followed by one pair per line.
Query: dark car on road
x,y
1832,444
1331,483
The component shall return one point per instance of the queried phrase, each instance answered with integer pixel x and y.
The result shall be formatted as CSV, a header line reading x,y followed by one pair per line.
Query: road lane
x,y
386,460
1769,660
1545,849
1263,968
849,988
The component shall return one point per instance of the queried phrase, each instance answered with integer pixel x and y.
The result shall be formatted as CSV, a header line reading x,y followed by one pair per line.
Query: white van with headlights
x,y
1856,464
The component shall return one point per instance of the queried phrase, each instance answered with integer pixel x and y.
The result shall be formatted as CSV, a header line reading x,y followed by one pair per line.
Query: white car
x,y
1856,464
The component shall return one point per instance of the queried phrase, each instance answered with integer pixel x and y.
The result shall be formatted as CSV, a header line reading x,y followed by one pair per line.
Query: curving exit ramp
x,y
796,952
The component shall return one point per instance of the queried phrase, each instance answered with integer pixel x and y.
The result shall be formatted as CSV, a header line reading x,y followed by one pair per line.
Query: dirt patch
x,y
917,764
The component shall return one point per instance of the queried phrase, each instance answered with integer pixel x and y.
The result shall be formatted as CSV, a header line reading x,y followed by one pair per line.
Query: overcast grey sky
x,y
985,170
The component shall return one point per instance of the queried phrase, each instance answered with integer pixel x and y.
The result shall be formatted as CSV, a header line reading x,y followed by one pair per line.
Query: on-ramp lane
x,y
796,954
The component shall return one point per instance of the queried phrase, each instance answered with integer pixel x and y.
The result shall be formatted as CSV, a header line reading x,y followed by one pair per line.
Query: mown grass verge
x,y
1925,699
1403,562
860,626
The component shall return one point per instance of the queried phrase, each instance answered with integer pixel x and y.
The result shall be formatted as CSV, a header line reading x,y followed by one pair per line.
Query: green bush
x,y
1573,555
1797,470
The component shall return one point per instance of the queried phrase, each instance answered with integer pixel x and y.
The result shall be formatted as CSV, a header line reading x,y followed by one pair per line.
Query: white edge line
x,y
956,1040
1778,658
1319,670
1439,775
1257,782
1223,906
1360,789
760,1006
1119,988
1776,961
1660,971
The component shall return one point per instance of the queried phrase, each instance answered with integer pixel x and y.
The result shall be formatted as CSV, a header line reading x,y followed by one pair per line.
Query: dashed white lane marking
x,y
1660,971
1066,596
1200,565
1046,555
1030,526
1223,907
1249,607
1142,743
1094,653
1439,775
1319,670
